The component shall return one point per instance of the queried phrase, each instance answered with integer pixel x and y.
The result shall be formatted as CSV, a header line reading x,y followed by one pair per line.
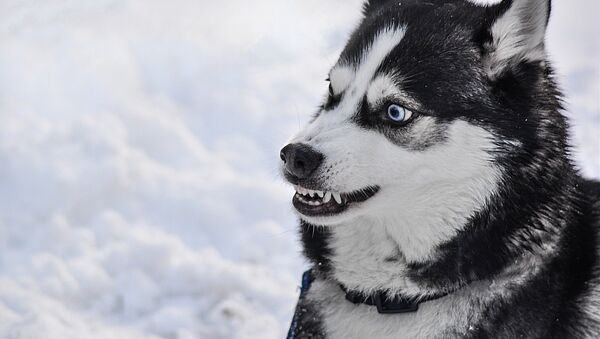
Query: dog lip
x,y
330,205
310,184
361,195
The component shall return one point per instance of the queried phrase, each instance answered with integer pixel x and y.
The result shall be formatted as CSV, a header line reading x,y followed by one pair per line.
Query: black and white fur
x,y
477,195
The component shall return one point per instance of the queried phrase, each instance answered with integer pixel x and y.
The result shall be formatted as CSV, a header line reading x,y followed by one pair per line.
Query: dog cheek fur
x,y
416,211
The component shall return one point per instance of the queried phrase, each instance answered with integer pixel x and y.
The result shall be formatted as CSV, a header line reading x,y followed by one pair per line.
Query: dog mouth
x,y
324,203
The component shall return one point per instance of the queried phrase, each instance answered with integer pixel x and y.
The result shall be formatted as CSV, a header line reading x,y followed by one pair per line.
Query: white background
x,y
139,194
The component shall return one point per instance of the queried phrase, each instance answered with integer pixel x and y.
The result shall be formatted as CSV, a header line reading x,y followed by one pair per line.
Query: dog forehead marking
x,y
485,2
357,80
381,87
340,78
384,43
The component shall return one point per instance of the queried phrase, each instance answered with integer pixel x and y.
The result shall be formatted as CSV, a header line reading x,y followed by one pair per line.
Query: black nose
x,y
300,160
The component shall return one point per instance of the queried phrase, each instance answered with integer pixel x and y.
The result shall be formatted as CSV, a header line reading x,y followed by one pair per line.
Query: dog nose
x,y
300,160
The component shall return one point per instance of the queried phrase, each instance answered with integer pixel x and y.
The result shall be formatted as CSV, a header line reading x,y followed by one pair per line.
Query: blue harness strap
x,y
307,279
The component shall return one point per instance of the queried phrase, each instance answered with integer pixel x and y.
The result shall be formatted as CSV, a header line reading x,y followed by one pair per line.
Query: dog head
x,y
428,104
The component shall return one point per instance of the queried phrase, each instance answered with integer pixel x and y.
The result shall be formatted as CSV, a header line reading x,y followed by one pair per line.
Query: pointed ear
x,y
516,34
371,6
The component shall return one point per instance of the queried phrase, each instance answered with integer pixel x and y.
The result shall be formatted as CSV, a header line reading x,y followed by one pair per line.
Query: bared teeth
x,y
337,197
325,197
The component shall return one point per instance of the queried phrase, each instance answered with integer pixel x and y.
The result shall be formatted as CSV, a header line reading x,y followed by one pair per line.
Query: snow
x,y
138,158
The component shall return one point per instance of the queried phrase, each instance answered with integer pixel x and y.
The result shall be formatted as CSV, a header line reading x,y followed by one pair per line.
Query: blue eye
x,y
398,113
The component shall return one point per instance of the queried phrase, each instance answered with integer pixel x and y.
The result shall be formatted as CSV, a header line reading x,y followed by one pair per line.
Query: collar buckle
x,y
384,305
395,306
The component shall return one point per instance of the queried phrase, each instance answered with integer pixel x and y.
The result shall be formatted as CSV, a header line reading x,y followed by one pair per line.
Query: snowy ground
x,y
138,158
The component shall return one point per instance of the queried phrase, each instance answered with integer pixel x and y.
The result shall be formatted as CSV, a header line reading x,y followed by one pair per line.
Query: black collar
x,y
399,304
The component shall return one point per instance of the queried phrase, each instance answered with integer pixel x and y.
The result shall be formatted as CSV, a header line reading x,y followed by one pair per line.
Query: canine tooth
x,y
327,197
337,197
320,194
311,193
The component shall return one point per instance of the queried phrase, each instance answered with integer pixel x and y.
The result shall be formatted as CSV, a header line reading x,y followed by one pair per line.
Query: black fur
x,y
315,243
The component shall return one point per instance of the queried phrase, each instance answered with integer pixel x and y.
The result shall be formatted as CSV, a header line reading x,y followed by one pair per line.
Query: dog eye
x,y
397,113
330,90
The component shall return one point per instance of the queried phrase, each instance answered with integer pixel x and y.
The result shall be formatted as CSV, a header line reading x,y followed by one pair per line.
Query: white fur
x,y
382,46
485,2
425,200
356,81
383,86
340,78
343,319
518,35
591,302
425,196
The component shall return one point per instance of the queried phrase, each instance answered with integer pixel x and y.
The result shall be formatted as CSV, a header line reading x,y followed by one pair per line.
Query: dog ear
x,y
371,6
516,34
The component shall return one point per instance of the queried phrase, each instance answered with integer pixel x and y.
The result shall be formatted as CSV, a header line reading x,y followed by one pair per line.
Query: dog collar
x,y
385,305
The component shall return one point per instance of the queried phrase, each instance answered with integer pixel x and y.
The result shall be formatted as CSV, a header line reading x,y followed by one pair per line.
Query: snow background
x,y
139,150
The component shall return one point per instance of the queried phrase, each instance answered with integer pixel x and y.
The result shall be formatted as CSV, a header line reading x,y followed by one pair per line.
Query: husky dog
x,y
435,187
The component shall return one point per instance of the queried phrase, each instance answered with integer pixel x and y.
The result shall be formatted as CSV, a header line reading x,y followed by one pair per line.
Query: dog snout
x,y
300,160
